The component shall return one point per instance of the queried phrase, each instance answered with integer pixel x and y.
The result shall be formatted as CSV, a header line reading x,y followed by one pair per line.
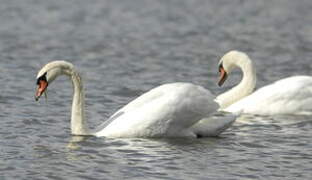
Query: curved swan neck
x,y
78,123
60,67
244,88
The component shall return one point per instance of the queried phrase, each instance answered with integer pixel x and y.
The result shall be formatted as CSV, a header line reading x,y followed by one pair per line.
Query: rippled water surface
x,y
124,48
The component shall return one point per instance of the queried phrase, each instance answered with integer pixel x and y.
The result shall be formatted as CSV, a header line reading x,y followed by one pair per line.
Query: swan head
x,y
48,74
229,61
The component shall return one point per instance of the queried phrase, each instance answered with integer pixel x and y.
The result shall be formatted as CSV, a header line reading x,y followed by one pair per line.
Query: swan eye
x,y
220,67
42,78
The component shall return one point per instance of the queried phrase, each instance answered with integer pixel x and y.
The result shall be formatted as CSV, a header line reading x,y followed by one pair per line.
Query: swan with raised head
x,y
170,110
292,95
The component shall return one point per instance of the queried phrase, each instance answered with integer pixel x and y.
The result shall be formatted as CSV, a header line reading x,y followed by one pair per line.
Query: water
x,y
124,48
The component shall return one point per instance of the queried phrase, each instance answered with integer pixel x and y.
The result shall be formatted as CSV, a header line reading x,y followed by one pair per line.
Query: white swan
x,y
170,110
292,95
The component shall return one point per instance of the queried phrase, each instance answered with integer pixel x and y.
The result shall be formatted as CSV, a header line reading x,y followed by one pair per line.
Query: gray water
x,y
124,48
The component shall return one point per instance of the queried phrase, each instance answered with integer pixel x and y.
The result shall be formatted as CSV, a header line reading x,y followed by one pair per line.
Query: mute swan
x,y
292,95
170,110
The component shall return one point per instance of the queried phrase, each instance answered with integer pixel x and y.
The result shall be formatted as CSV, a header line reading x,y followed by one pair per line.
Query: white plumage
x,y
170,110
291,95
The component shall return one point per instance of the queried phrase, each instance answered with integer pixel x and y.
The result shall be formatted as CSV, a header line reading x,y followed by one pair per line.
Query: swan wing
x,y
136,103
167,110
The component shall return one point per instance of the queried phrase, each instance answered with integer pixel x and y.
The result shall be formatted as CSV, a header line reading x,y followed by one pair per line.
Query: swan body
x,y
170,110
167,110
292,95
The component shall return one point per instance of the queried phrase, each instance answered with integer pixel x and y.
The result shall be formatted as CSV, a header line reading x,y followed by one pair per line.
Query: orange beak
x,y
42,86
223,76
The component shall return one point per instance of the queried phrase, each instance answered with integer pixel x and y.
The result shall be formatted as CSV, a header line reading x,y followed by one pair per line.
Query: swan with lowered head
x,y
170,110
292,95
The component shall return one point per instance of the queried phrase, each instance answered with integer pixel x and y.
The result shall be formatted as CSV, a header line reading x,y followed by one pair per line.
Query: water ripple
x,y
124,48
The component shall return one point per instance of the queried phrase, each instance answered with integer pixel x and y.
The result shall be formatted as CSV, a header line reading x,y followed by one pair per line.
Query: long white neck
x,y
243,89
78,123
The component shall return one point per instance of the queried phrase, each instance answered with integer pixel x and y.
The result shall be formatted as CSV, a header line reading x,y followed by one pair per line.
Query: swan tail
x,y
214,125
